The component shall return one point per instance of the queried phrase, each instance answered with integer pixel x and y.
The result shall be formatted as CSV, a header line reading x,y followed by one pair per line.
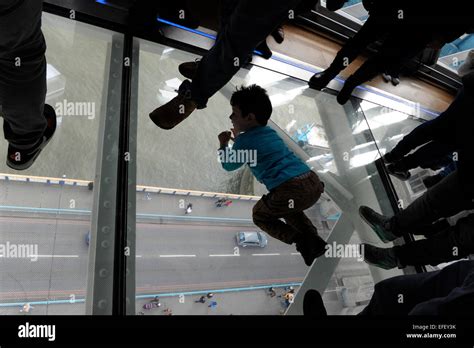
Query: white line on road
x,y
57,256
224,255
177,255
265,254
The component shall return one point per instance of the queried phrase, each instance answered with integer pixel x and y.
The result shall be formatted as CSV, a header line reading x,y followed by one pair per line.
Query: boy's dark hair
x,y
253,99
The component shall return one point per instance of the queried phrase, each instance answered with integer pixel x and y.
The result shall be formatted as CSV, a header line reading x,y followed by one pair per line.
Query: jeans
x,y
249,24
445,199
449,291
22,74
454,243
288,201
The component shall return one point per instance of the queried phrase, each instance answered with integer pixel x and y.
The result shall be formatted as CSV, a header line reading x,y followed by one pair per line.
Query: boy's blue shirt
x,y
275,163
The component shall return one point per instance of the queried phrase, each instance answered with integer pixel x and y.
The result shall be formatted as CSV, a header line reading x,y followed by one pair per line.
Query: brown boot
x,y
176,110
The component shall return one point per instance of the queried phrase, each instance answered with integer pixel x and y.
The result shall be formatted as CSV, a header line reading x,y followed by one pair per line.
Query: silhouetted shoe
x,y
313,304
264,50
432,180
23,159
189,69
320,80
334,5
389,158
346,92
397,172
311,247
380,257
379,223
279,35
175,111
386,77
395,80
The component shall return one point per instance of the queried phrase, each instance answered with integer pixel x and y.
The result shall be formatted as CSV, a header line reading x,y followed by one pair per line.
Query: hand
x,y
225,137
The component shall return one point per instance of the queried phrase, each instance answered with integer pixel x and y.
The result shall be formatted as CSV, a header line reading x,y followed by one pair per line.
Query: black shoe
x,y
313,304
311,247
279,35
264,50
23,159
380,257
400,174
389,158
386,77
379,224
320,80
430,181
346,92
395,81
189,69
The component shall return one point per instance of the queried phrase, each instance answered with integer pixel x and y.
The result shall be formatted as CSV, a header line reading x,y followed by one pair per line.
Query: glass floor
x,y
179,256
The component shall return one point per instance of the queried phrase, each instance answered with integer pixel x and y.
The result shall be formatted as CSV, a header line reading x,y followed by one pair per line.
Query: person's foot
x,y
313,304
346,92
380,257
320,80
23,159
279,35
395,80
189,69
379,223
398,172
265,51
432,180
389,158
175,111
311,247
386,77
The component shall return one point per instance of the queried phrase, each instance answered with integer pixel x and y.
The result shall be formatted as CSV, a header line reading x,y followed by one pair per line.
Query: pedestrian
x,y
247,24
202,299
29,123
213,304
272,292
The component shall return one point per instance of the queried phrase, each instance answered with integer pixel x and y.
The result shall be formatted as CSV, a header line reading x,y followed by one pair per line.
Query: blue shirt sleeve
x,y
229,162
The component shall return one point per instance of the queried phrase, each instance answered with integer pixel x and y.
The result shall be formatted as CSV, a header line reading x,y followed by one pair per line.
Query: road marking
x,y
177,255
295,254
224,255
57,256
265,254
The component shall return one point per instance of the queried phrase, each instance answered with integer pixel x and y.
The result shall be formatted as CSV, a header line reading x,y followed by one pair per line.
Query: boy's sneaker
x,y
399,173
189,69
23,159
432,180
379,223
380,257
176,110
311,247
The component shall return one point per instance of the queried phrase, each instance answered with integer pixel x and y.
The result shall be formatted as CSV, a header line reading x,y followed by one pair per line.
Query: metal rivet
x,y
102,304
106,229
103,273
105,244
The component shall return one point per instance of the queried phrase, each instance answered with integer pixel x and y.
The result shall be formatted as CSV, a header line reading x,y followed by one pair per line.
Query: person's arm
x,y
225,151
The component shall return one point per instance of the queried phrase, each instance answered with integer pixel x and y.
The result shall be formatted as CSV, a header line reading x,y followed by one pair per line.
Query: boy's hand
x,y
224,138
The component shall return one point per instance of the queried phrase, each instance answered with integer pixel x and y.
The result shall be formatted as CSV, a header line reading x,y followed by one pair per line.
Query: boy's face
x,y
242,122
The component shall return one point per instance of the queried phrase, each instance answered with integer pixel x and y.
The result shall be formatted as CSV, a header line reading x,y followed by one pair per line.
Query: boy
x,y
292,186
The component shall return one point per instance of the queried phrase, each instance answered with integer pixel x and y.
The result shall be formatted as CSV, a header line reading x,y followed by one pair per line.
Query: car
x,y
251,238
